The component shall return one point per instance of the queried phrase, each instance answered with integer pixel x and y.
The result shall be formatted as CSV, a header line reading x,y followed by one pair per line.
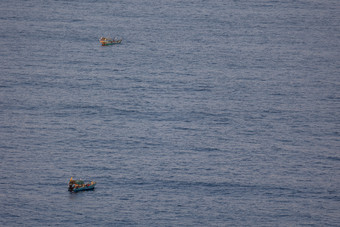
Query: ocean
x,y
209,113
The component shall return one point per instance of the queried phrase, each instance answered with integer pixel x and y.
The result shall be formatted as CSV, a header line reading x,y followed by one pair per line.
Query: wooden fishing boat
x,y
79,185
108,41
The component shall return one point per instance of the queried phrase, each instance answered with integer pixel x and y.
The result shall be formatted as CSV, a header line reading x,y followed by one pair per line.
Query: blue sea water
x,y
210,113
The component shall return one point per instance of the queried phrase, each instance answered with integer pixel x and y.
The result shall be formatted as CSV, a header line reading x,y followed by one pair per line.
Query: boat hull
x,y
85,188
107,43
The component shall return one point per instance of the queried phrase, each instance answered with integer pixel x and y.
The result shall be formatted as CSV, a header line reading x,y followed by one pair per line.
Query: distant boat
x,y
108,41
79,185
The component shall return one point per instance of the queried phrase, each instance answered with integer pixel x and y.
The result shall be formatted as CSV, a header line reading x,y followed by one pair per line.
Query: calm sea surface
x,y
210,113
